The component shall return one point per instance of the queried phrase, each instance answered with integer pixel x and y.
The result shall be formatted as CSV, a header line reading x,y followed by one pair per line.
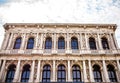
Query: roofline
x,y
55,25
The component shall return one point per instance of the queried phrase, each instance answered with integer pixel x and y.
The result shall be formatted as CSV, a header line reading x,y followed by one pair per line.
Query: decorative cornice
x,y
56,25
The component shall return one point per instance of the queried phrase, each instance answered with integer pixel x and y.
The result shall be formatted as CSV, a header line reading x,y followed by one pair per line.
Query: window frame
x,y
30,43
48,43
74,43
61,43
10,73
92,43
17,43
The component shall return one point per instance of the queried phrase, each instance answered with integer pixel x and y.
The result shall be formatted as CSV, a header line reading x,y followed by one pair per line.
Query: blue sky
x,y
60,11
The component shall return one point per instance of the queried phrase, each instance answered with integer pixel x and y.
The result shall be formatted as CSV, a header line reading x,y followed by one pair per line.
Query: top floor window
x,y
92,43
48,43
74,43
61,43
17,43
105,43
30,43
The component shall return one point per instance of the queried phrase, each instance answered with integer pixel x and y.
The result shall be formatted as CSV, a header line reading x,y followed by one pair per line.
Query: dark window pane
x,y
61,73
105,43
111,73
48,43
92,43
25,73
46,73
76,73
10,73
61,43
17,43
74,43
30,43
97,73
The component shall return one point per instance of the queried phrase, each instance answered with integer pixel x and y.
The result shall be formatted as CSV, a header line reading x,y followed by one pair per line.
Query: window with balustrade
x,y
92,43
17,43
61,73
10,73
25,73
97,73
74,43
48,43
105,43
61,43
30,43
111,73
76,73
46,74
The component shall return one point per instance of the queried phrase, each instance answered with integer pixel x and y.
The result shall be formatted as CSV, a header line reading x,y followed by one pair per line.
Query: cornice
x,y
7,26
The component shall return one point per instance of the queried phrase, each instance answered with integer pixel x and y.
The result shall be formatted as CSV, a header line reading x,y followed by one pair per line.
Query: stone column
x,y
10,41
111,41
53,71
114,39
36,41
81,43
2,71
99,41
90,71
118,64
68,47
86,41
84,72
41,42
105,72
17,72
54,44
5,42
0,63
32,72
23,41
38,72
69,76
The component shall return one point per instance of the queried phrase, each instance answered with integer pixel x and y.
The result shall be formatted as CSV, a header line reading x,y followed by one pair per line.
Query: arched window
x,y
10,73
48,43
92,43
105,43
46,73
17,43
25,73
30,43
111,73
76,73
61,73
61,43
74,43
97,73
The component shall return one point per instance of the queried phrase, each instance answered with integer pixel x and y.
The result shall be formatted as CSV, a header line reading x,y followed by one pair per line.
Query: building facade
x,y
39,52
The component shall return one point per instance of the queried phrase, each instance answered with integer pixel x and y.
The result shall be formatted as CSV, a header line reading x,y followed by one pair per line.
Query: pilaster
x,y
32,72
38,71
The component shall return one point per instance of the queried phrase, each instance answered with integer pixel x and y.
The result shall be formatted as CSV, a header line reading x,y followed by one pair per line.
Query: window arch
x,y
97,73
61,43
46,74
48,43
111,73
10,73
92,43
17,43
30,43
76,73
61,73
105,43
74,43
25,73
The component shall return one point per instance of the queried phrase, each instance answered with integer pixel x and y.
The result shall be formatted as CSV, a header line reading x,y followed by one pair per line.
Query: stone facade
x,y
37,57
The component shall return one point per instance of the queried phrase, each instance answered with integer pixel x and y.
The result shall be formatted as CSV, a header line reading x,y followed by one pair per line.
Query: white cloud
x,y
61,11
